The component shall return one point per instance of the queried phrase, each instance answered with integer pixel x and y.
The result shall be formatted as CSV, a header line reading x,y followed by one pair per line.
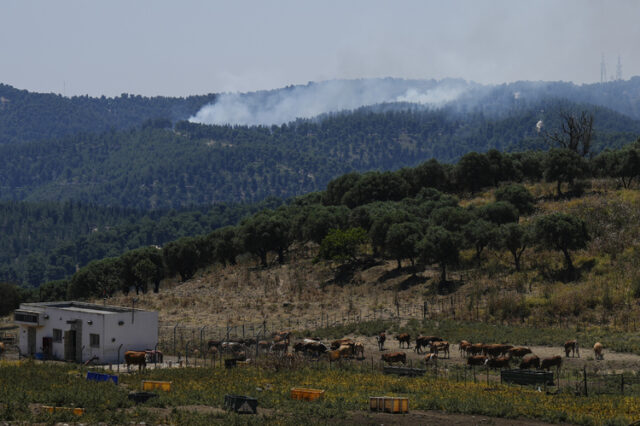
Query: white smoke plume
x,y
287,104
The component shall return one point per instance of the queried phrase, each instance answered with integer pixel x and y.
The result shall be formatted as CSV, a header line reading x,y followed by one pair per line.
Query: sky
x,y
187,47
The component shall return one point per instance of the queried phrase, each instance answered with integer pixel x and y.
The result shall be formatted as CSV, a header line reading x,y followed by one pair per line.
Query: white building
x,y
78,331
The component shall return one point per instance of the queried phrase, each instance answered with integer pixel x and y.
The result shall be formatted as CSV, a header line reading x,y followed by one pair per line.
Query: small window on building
x,y
57,335
94,340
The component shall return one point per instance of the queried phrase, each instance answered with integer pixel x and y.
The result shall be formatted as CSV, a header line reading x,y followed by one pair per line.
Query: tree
x,y
563,232
10,299
401,241
440,246
499,212
575,133
518,196
563,165
513,237
343,245
472,172
479,233
182,256
338,187
264,232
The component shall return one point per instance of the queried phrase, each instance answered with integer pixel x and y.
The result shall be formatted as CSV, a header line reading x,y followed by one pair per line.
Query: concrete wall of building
x,y
113,328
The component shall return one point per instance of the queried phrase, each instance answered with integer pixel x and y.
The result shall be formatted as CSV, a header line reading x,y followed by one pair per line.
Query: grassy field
x,y
26,386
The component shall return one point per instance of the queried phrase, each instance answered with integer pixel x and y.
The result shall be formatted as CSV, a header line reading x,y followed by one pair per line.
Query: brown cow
x,y
475,349
519,352
530,361
280,347
404,338
263,345
395,357
340,342
571,346
424,341
437,347
463,346
334,355
554,361
501,362
381,339
345,351
138,358
476,360
495,350
431,358
597,350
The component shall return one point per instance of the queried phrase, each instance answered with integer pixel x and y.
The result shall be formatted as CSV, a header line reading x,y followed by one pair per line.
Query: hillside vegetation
x,y
510,253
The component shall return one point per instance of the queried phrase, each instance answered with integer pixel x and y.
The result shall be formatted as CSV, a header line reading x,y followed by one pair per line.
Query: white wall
x,y
141,335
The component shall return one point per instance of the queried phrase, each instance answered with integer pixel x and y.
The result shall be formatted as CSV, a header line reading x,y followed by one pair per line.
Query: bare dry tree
x,y
575,133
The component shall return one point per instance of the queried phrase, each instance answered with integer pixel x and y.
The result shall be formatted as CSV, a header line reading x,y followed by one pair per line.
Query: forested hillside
x,y
27,116
193,164
48,241
414,215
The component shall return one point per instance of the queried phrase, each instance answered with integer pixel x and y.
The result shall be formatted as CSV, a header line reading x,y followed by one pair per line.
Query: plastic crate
x,y
389,404
307,394
51,409
101,377
241,404
155,384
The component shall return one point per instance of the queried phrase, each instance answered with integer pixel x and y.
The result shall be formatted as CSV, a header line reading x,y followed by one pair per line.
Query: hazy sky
x,y
188,47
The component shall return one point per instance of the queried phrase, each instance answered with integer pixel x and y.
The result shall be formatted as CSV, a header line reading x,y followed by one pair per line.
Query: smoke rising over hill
x,y
285,105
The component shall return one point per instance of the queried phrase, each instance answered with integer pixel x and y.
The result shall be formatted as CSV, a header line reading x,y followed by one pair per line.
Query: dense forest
x,y
193,164
48,241
27,116
413,214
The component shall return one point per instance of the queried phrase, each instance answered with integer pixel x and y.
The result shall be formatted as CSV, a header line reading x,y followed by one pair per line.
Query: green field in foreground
x,y
27,385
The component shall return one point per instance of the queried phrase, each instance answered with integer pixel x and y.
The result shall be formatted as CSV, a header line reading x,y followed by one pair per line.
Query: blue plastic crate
x,y
101,377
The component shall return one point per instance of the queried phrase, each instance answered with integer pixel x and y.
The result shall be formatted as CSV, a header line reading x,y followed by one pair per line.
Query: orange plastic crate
x,y
389,404
155,384
307,394
76,411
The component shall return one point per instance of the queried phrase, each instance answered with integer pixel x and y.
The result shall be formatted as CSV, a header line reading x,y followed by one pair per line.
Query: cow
x,y
554,361
346,351
463,346
232,347
530,361
475,349
597,350
213,351
337,343
476,360
404,338
138,358
431,359
315,348
358,350
214,343
437,347
519,352
280,347
571,346
501,362
395,357
495,350
381,338
424,341
263,345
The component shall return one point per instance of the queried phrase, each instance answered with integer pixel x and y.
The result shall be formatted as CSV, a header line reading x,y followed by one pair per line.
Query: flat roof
x,y
74,306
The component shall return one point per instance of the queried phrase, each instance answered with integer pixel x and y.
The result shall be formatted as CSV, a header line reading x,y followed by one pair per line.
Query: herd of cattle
x,y
496,356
